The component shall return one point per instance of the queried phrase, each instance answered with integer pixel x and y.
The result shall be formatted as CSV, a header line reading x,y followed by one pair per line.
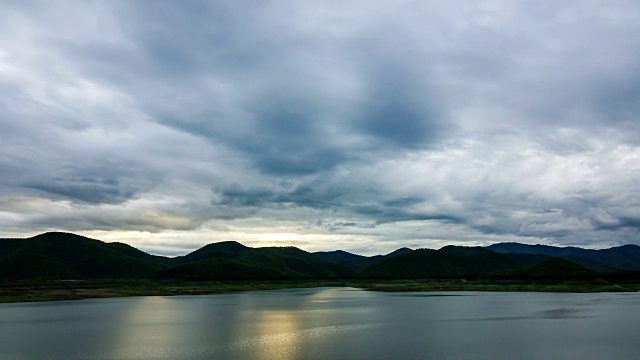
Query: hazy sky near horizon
x,y
355,125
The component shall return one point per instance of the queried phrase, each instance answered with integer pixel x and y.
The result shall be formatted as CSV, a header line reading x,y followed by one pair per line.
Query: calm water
x,y
327,323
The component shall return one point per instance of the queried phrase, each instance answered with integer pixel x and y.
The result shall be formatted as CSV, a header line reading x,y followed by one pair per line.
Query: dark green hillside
x,y
517,248
351,261
224,249
523,259
231,260
219,269
463,250
64,256
433,264
528,259
400,251
625,257
298,263
590,261
68,256
551,268
556,267
357,263
7,246
130,251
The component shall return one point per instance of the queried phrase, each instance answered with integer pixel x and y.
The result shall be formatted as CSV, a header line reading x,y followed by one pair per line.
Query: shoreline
x,y
17,292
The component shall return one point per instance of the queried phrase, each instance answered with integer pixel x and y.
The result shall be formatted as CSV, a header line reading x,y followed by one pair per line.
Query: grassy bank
x,y
576,286
73,290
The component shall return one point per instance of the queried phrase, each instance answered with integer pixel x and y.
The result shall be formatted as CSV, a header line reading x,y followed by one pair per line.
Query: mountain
x,y
556,267
57,255
625,257
427,263
528,259
219,269
224,249
518,248
351,261
233,261
400,251
464,250
550,268
356,263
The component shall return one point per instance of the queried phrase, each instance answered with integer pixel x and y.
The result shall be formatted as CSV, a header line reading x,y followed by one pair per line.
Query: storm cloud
x,y
322,125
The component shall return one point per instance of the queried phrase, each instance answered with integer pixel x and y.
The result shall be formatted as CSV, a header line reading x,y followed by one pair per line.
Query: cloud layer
x,y
327,125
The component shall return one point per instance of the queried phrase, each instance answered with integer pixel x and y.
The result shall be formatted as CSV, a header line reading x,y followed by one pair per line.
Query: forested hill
x,y
65,256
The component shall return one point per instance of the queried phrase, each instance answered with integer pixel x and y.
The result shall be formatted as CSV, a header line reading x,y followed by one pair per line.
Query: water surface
x,y
327,323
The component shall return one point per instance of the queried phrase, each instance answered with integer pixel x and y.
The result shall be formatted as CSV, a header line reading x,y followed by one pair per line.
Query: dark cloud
x,y
399,111
233,77
341,200
84,190
617,224
305,195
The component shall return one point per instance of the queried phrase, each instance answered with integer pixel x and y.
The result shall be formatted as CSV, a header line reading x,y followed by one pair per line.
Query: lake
x,y
327,323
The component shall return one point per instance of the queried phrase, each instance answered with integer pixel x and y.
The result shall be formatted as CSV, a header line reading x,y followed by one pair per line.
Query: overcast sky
x,y
355,125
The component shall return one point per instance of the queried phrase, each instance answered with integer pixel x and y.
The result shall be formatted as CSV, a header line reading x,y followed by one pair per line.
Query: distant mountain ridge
x,y
356,262
427,263
59,255
230,260
625,257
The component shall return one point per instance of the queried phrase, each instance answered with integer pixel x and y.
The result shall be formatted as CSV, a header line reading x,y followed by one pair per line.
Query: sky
x,y
357,125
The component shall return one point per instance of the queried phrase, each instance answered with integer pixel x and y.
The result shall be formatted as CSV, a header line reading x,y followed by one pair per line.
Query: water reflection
x,y
323,324
146,328
277,335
